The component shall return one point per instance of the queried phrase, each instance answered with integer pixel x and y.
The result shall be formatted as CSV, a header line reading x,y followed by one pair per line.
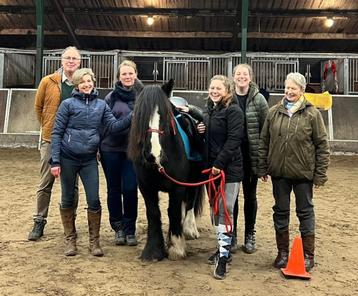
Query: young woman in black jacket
x,y
223,128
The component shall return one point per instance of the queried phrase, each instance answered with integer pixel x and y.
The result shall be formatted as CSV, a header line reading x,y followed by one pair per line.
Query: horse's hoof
x,y
152,257
174,254
176,257
192,235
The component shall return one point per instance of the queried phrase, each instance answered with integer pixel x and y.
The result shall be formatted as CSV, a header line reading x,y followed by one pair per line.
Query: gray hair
x,y
71,47
298,79
77,76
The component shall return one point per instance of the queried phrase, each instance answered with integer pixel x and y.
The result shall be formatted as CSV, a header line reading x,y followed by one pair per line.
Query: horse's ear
x,y
168,87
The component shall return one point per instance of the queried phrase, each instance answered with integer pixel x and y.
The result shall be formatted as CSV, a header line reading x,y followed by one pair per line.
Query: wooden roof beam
x,y
312,36
299,13
30,31
252,35
152,34
184,12
141,34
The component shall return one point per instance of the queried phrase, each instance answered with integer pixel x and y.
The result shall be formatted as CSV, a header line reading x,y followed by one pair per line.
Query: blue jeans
x,y
122,196
88,172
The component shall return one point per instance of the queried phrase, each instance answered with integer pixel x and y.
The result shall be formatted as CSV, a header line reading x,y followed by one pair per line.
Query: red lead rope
x,y
214,193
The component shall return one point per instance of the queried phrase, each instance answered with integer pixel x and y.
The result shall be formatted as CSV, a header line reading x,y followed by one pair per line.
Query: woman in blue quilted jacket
x,y
75,142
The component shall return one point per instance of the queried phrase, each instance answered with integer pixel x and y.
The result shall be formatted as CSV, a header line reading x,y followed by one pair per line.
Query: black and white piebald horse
x,y
154,143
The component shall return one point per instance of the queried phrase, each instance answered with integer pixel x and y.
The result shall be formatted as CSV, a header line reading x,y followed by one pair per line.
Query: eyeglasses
x,y
71,59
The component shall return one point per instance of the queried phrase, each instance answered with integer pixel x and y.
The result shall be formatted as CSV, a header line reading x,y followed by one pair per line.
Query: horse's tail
x,y
196,195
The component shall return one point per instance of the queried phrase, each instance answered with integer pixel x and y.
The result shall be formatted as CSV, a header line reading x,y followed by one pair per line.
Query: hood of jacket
x,y
253,90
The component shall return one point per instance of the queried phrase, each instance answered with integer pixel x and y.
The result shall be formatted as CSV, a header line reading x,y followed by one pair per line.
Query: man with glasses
x,y
52,90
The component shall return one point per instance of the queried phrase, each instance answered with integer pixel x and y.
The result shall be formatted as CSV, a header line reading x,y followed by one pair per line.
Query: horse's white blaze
x,y
176,248
189,228
154,140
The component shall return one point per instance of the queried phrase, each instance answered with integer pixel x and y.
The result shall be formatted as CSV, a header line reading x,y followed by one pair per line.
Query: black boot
x,y
308,242
220,267
282,241
120,236
38,229
224,242
250,242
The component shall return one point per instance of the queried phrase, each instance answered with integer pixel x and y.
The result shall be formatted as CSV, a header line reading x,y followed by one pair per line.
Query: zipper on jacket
x,y
298,121
69,138
288,128
286,141
87,107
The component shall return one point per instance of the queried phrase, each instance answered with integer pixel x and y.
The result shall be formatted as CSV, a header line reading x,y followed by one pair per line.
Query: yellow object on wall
x,y
321,101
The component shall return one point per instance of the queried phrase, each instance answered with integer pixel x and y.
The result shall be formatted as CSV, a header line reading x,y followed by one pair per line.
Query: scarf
x,y
126,95
293,107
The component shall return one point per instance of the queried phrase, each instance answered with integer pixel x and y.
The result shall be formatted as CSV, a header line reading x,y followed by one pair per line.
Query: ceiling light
x,y
150,20
329,22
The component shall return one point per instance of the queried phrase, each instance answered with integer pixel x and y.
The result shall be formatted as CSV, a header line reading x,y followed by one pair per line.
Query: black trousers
x,y
303,190
249,186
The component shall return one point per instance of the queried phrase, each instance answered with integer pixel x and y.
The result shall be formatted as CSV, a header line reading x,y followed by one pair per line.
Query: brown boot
x,y
68,221
282,241
94,224
308,249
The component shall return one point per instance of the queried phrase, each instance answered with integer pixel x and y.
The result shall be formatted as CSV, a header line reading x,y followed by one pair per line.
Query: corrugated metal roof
x,y
203,25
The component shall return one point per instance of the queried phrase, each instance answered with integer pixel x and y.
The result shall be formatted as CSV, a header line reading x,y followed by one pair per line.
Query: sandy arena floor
x,y
39,268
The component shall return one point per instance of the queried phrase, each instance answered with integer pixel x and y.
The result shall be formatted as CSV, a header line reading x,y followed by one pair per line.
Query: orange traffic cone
x,y
296,262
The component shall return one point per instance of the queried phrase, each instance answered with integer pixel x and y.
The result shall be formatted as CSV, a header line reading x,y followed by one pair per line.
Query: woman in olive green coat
x,y
294,151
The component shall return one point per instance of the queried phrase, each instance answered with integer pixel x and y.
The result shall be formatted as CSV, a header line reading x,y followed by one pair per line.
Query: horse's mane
x,y
151,97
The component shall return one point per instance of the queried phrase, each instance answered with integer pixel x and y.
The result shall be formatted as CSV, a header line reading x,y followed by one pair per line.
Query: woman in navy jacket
x,y
122,196
75,141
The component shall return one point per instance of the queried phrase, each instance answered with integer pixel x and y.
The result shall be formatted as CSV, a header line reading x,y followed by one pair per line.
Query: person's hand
x,y
56,171
183,108
264,178
215,171
201,128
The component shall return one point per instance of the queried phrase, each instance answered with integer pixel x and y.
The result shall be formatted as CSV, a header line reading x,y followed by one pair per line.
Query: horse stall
x,y
192,73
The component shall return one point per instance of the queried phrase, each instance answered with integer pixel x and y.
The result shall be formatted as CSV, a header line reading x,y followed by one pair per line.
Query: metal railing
x,y
191,71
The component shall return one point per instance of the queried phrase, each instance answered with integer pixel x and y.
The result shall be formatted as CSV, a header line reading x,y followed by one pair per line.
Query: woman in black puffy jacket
x,y
223,125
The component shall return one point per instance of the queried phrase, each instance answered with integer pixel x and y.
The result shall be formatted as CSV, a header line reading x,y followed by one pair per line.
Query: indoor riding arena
x,y
190,41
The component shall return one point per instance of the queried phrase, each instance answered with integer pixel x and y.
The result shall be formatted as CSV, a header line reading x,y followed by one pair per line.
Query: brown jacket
x,y
47,100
